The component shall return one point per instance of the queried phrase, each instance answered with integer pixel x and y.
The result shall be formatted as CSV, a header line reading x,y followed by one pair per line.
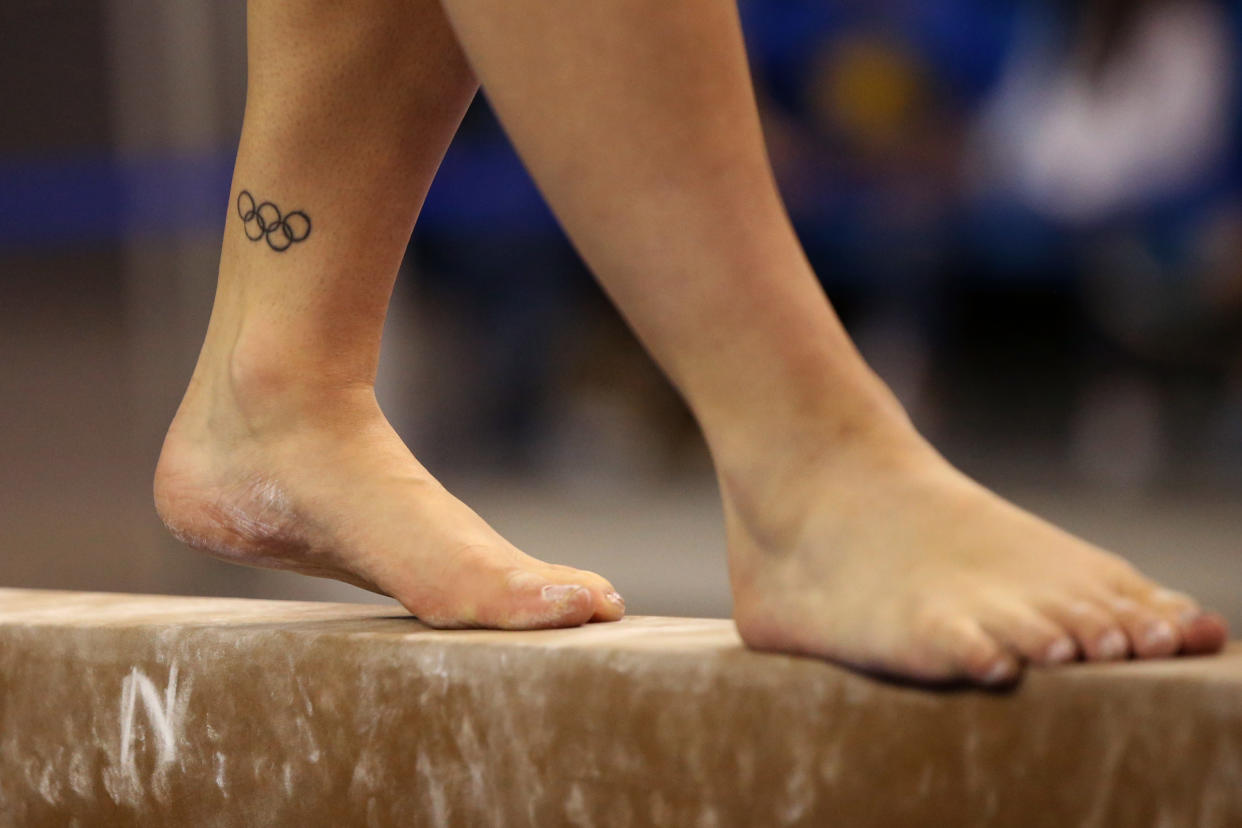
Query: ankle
x,y
281,383
774,474
808,427
261,383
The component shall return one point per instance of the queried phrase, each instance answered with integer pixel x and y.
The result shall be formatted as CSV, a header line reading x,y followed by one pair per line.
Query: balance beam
x,y
147,710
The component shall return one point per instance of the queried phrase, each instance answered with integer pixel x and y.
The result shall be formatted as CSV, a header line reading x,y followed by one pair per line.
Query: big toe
x,y
1206,633
1199,631
609,605
530,600
516,599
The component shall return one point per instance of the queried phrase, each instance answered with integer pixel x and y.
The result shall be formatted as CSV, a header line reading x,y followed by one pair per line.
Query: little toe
x,y
972,653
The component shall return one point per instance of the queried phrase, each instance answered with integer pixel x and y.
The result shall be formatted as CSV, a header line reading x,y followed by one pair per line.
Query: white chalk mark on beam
x,y
160,715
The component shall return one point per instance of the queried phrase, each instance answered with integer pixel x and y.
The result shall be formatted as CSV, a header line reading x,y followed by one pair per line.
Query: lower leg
x,y
638,123
279,455
849,537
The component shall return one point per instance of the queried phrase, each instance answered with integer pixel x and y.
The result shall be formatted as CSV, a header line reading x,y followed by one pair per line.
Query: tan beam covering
x,y
144,710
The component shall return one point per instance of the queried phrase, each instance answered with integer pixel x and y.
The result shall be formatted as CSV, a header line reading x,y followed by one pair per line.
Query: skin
x,y
850,538
279,454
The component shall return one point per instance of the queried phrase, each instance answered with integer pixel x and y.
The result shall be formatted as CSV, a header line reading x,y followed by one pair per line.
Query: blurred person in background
x,y
1059,180
850,538
1114,127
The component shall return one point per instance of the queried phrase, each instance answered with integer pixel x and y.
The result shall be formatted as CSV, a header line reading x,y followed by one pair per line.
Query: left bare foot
x,y
888,559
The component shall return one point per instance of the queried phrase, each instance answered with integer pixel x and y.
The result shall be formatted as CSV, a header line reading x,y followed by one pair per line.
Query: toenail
x,y
1001,672
1158,633
1188,616
561,593
1113,644
1061,650
614,598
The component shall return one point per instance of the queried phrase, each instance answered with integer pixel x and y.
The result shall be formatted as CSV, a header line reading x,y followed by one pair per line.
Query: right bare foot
x,y
259,472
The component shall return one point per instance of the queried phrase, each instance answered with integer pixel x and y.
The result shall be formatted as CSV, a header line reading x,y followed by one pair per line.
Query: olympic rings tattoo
x,y
264,221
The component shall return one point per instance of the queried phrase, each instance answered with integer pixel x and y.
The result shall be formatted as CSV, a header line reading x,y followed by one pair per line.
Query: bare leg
x,y
849,537
279,455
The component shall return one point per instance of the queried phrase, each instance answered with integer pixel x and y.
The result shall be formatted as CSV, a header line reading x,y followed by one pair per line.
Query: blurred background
x,y
1028,212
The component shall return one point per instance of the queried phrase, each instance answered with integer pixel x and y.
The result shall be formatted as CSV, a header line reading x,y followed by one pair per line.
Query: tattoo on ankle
x,y
264,221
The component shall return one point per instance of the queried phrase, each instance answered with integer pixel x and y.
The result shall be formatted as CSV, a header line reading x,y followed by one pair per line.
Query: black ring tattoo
x,y
264,221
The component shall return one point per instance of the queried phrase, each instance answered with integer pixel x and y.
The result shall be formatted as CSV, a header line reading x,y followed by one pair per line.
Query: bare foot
x,y
257,473
888,559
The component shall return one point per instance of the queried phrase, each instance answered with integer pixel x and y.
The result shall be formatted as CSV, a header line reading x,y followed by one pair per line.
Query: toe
x,y
969,651
1207,633
531,601
514,599
1027,632
1170,602
609,605
1200,631
1151,635
1099,636
1194,630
